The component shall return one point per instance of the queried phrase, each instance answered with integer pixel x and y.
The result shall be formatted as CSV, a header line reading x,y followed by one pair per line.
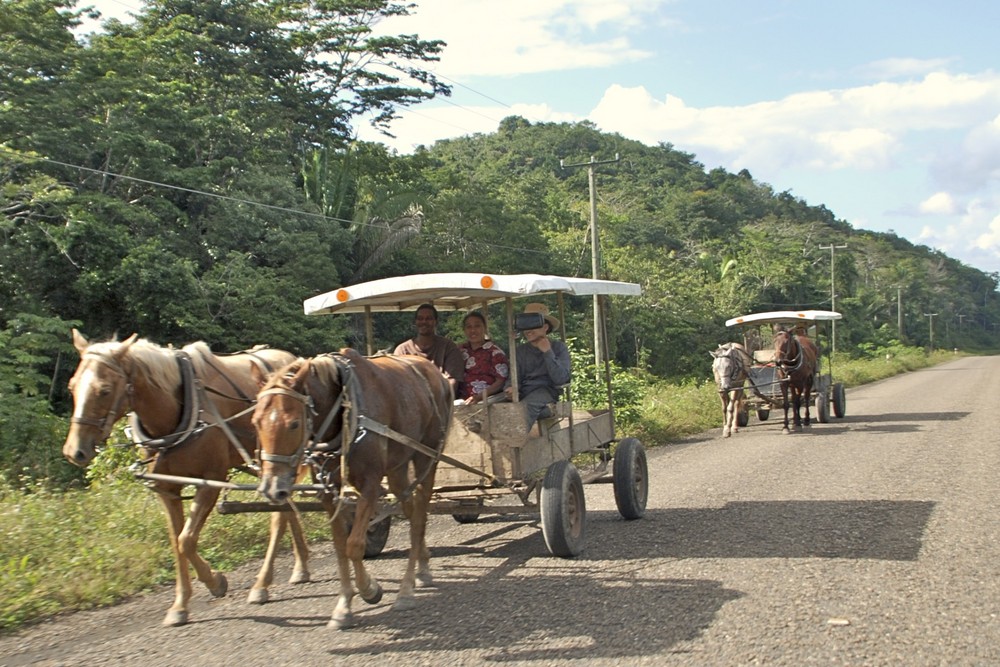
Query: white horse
x,y
730,367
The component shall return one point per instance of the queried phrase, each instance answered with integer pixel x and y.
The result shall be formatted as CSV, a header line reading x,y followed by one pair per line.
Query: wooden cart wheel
x,y
839,400
564,510
378,535
763,414
822,408
631,479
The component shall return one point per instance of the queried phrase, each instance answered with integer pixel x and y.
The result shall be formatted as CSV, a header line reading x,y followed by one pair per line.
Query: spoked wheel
x,y
839,400
378,535
564,510
631,479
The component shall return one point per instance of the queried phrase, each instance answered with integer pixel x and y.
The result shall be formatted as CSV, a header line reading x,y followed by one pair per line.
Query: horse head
x,y
282,418
101,388
787,351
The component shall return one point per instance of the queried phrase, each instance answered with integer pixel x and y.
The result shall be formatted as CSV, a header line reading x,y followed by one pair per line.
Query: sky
x,y
887,112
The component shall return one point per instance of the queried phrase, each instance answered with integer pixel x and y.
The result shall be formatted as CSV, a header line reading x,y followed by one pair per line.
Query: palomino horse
x,y
191,417
795,358
378,416
730,367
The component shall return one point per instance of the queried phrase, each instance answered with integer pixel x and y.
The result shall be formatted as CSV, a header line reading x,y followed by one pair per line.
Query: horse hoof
x,y
221,586
257,596
175,618
404,603
341,621
374,595
299,577
425,580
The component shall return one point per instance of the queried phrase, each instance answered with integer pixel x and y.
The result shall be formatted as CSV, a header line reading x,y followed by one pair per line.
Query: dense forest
x,y
192,176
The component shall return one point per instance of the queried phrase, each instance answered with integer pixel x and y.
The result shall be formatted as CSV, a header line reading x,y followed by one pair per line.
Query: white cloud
x,y
940,203
893,68
486,38
857,128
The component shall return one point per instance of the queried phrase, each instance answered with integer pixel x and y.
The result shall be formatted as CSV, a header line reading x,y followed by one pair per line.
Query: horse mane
x,y
157,364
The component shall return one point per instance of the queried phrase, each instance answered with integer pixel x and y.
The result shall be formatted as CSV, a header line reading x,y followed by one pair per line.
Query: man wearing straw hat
x,y
543,366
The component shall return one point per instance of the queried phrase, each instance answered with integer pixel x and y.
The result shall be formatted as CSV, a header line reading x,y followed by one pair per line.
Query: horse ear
x,y
303,373
79,342
258,376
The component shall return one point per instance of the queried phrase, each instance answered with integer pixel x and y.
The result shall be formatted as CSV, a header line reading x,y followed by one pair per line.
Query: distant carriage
x,y
766,376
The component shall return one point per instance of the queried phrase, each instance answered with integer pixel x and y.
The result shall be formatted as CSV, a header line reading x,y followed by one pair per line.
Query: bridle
x,y
790,365
737,369
106,423
309,440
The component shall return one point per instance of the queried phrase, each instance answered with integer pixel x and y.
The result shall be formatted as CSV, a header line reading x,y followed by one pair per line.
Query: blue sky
x,y
888,113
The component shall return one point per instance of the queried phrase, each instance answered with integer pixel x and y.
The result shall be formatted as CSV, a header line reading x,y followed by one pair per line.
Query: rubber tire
x,y
376,538
564,510
822,409
742,418
466,517
630,475
839,401
762,415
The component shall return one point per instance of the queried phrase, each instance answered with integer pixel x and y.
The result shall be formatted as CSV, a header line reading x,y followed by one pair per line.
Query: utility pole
x,y
899,312
595,253
930,317
833,296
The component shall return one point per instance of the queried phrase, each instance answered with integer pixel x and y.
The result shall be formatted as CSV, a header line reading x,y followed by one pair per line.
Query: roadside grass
x,y
63,550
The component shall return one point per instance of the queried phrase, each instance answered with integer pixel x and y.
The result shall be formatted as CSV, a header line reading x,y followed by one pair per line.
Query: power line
x,y
248,202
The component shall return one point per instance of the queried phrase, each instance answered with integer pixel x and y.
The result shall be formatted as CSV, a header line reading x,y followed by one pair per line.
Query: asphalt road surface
x,y
871,540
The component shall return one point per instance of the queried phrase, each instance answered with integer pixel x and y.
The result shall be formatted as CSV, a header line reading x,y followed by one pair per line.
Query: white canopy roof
x,y
454,291
784,317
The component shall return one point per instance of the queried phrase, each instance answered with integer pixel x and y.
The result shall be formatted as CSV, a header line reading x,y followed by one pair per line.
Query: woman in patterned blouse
x,y
486,366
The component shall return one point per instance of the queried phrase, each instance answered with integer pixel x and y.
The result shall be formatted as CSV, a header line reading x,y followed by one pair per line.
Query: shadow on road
x,y
864,529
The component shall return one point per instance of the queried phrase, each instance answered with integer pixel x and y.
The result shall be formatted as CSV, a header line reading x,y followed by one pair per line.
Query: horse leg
x,y
808,399
201,506
724,397
418,563
174,509
342,617
300,549
300,574
368,587
737,402
785,405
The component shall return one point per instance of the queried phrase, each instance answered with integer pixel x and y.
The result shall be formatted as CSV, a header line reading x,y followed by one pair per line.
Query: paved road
x,y
871,540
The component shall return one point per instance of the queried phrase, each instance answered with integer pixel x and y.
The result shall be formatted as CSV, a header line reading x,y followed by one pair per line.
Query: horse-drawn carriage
x,y
490,464
765,376
191,418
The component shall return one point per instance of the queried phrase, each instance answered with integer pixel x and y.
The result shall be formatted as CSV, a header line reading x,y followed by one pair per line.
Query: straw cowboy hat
x,y
544,310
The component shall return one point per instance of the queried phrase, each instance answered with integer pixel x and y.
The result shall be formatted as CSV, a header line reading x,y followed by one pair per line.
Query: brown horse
x,y
730,366
378,416
191,418
795,358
